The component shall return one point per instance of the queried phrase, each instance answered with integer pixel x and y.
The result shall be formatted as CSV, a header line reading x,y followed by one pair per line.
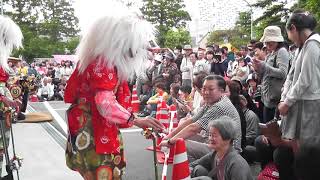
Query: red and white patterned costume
x,y
109,53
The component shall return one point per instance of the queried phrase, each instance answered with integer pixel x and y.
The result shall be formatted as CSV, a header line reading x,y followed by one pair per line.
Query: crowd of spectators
x,y
222,95
247,86
50,78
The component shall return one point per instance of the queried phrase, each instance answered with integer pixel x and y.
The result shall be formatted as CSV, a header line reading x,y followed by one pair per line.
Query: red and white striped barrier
x,y
135,102
169,153
163,114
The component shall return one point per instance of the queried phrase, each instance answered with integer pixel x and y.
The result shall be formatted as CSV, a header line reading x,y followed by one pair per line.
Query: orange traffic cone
x,y
180,168
168,159
135,100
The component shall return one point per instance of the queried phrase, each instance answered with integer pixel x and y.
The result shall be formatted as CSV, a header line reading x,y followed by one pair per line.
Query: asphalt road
x,y
140,164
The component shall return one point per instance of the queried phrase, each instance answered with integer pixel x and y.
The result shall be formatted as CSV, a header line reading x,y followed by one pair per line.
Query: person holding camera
x,y
217,66
272,71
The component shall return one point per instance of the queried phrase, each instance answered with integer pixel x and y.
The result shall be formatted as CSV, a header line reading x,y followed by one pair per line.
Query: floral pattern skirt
x,y
82,157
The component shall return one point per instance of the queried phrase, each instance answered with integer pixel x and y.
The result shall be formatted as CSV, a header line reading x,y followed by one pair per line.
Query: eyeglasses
x,y
209,89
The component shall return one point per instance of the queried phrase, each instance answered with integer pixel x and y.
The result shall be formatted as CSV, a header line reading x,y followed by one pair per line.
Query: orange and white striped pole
x,y
169,152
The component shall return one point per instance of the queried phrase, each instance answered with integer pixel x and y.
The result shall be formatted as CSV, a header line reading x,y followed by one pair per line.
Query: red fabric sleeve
x,y
4,76
124,98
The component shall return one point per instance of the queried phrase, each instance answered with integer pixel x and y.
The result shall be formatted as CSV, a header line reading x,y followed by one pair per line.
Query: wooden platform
x,y
37,117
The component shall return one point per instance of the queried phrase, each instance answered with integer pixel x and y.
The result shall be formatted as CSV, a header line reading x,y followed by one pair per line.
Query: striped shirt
x,y
223,107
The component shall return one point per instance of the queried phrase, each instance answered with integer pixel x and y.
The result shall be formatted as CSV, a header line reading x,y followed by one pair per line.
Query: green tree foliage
x,y
59,20
165,14
72,44
310,5
243,24
233,36
275,13
46,26
177,37
238,36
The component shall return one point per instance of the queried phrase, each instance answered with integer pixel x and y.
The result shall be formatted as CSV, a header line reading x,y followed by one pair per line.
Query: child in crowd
x,y
174,93
184,102
161,95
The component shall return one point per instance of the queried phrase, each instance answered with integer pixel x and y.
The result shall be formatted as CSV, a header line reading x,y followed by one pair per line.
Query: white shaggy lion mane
x,y
109,41
10,38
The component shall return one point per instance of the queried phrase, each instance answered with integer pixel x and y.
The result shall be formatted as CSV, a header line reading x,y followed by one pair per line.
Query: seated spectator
x,y
216,105
42,70
63,80
254,91
23,70
224,162
161,95
51,72
49,81
59,92
174,93
45,92
56,68
252,121
196,91
252,86
32,70
251,105
184,102
146,93
233,91
67,70
252,130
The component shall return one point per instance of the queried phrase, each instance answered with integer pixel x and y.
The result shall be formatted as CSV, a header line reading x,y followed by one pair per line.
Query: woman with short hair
x,y
224,162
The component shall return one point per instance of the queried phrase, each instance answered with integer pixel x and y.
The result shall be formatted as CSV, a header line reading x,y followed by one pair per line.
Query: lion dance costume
x,y
109,53
10,38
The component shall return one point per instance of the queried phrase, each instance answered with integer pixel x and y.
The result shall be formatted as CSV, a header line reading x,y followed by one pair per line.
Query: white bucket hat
x,y
272,34
187,47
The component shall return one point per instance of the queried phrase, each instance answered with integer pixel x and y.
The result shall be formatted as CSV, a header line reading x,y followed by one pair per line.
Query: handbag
x,y
273,132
